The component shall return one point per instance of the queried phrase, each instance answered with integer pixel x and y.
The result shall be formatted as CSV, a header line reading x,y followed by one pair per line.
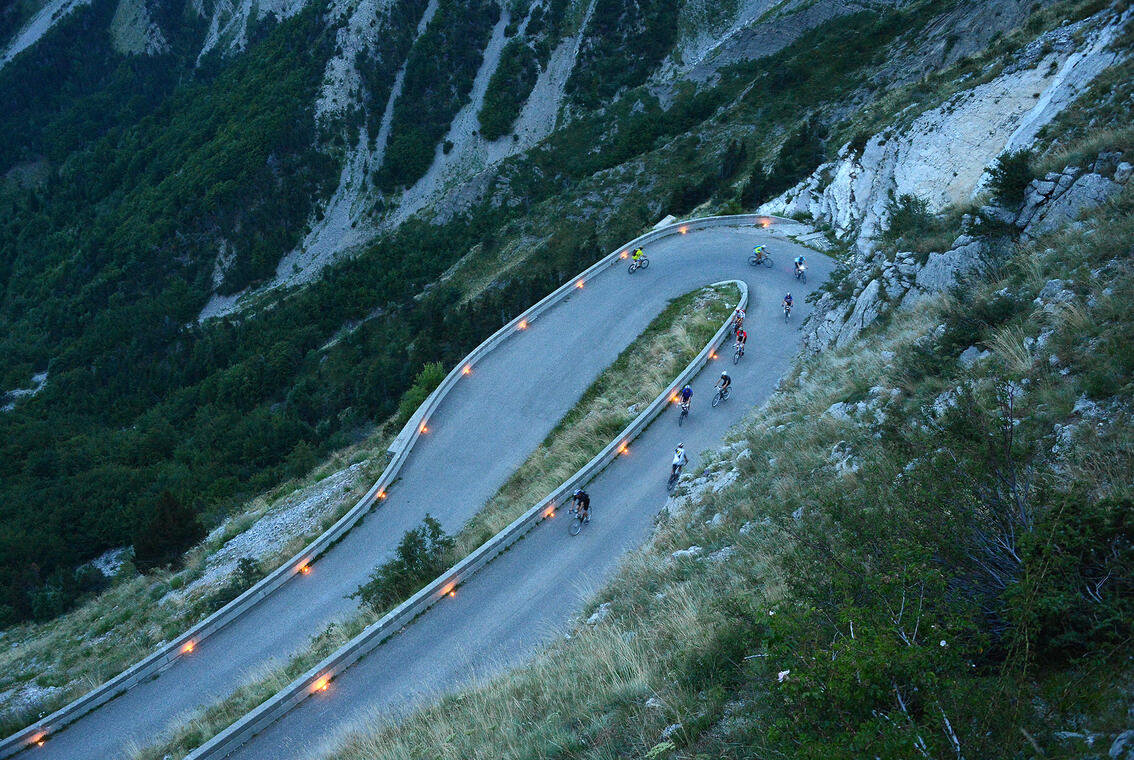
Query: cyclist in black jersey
x,y
581,504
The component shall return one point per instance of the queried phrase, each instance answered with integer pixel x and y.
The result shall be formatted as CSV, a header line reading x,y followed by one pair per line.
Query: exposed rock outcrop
x,y
943,156
879,282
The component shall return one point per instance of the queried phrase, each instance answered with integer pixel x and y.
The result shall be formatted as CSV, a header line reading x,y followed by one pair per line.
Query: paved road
x,y
528,594
485,428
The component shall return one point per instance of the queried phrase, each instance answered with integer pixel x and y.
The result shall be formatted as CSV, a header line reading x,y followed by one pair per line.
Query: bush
x,y
1010,177
248,572
909,215
1076,595
426,381
165,533
800,154
422,555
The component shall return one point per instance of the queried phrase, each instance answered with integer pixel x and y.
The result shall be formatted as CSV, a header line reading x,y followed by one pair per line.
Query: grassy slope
x,y
941,571
637,376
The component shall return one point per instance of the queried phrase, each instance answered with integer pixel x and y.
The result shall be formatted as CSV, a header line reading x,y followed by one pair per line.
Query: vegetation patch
x,y
508,89
439,77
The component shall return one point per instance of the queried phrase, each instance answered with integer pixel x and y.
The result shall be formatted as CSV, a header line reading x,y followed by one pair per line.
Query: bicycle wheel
x,y
787,314
768,261
575,526
736,356
726,394
632,267
681,417
753,261
644,263
717,399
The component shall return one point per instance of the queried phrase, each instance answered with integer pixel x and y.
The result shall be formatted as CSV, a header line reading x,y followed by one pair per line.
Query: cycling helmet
x,y
724,374
788,295
577,491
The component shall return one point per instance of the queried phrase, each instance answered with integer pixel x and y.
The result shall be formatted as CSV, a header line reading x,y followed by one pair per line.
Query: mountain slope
x,y
140,185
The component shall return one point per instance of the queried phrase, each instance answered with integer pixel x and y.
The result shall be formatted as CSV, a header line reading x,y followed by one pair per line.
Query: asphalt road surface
x,y
485,428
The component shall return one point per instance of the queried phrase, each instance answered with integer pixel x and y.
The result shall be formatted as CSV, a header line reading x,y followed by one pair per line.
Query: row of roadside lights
x,y
322,683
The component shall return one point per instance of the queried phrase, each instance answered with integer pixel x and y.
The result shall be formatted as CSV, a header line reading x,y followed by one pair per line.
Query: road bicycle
x,y
738,354
764,260
684,413
673,478
642,263
787,311
577,524
801,273
722,395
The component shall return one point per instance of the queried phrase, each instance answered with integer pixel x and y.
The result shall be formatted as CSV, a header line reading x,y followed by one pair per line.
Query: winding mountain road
x,y
484,429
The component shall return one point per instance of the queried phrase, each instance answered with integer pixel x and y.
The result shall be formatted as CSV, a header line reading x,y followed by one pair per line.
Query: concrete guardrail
x,y
400,450
320,676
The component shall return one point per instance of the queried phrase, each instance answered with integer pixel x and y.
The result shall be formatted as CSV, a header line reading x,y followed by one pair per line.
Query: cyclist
x,y
738,320
799,262
638,254
724,382
581,504
741,339
679,460
686,395
759,253
787,302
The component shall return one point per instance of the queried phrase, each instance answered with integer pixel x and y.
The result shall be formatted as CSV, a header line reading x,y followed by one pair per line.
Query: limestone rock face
x,y
1086,192
941,270
943,155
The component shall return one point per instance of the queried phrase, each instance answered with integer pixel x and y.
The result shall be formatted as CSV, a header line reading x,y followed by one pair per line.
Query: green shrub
x,y
421,556
426,381
908,216
165,532
1010,176
248,572
800,155
1076,595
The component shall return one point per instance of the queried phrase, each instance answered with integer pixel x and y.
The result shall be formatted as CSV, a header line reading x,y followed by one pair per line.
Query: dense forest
x,y
107,261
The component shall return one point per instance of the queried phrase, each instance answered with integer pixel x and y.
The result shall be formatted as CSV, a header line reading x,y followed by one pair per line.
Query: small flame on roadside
x,y
765,223
188,647
550,511
305,569
523,324
684,230
674,398
381,494
39,738
623,255
450,590
713,355
321,684
423,428
623,448
579,284
467,370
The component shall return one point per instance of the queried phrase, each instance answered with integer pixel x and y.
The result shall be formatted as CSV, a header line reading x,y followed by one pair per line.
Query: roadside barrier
x,y
399,450
319,677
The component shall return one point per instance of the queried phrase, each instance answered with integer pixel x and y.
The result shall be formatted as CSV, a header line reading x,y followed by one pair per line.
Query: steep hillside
x,y
921,546
424,170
